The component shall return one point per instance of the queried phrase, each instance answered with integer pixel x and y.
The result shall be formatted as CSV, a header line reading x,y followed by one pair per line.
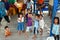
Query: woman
x,y
3,12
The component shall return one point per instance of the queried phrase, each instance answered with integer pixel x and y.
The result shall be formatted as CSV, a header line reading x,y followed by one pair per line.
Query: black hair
x,y
20,14
6,27
28,9
57,19
37,15
41,15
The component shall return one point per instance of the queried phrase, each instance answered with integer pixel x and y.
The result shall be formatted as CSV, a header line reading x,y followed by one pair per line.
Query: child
x,y
20,23
29,24
41,24
55,29
36,25
26,16
7,31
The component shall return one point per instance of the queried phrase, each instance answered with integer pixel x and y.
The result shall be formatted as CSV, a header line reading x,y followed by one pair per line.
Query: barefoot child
x,y
36,25
29,24
41,24
7,31
20,23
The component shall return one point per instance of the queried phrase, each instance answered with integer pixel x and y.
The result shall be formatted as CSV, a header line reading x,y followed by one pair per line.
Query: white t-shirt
x,y
20,19
41,23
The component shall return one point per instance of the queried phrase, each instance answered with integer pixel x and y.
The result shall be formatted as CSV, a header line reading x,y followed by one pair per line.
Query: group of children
x,y
37,22
28,20
25,23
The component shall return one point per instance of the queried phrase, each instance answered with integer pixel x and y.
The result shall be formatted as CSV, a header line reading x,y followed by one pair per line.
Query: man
x,y
50,7
40,4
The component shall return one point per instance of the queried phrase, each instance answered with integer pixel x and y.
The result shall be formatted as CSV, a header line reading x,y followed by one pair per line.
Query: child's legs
x,y
34,31
26,33
30,29
19,28
54,36
22,26
41,31
57,37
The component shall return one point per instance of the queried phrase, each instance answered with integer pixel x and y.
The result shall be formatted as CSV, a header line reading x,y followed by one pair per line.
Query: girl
x,y
26,15
20,24
36,25
41,24
7,31
29,24
55,29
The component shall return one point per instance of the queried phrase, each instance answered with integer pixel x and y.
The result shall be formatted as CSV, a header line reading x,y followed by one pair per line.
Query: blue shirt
x,y
36,23
55,29
2,9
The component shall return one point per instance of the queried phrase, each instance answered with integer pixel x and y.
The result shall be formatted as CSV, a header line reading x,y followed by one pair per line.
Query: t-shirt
x,y
22,20
41,23
40,1
29,4
55,29
29,21
36,23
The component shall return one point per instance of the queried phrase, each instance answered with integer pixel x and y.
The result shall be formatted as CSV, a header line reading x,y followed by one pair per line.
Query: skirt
x,y
20,26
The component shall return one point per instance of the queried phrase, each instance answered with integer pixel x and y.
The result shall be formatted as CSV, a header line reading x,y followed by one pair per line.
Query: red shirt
x,y
40,1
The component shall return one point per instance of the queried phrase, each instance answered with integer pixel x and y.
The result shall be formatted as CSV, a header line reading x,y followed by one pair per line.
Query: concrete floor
x,y
15,36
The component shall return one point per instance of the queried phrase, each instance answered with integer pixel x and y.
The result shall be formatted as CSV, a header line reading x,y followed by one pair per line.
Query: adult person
x,y
19,5
3,12
40,4
50,7
29,4
12,8
7,6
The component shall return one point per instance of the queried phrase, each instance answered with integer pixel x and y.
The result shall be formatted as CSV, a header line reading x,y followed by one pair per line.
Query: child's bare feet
x,y
19,32
34,37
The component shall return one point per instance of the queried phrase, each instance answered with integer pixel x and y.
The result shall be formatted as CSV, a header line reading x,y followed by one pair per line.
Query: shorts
x,y
28,28
20,26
